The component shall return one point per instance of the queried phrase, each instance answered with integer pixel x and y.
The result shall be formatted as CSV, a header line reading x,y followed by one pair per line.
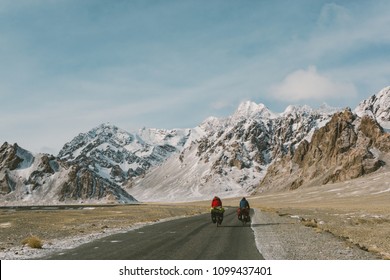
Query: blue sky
x,y
67,66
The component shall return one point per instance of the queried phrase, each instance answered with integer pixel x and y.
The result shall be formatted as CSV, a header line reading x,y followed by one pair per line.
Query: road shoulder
x,y
286,238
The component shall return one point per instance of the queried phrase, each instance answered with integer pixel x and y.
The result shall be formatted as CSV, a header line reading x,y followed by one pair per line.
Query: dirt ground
x,y
357,211
58,224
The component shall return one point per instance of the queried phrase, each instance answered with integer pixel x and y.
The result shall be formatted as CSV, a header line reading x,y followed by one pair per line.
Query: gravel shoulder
x,y
356,211
285,237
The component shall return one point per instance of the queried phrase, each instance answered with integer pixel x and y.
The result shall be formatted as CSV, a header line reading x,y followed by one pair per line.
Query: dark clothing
x,y
244,203
243,210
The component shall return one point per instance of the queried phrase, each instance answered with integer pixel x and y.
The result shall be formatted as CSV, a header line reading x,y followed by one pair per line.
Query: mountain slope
x,y
231,159
253,150
118,155
256,150
43,179
347,147
377,106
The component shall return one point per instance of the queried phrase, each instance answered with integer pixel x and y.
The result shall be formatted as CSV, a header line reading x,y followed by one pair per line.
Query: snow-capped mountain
x,y
232,158
253,150
347,147
251,110
377,106
43,179
247,149
118,155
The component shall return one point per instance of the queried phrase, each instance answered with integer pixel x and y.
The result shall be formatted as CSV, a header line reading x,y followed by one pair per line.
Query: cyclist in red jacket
x,y
216,202
216,209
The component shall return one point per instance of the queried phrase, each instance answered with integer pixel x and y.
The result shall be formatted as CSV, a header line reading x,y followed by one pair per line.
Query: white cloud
x,y
310,85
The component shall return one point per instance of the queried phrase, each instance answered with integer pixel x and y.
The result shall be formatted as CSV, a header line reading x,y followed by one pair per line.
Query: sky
x,y
66,66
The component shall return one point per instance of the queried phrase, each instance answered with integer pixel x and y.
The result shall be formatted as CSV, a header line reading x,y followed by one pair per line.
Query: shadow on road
x,y
270,224
253,225
233,226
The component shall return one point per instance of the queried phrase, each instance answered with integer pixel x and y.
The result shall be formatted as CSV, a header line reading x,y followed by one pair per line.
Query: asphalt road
x,y
182,239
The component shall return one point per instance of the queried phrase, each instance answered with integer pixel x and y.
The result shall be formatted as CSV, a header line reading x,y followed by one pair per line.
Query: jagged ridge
x,y
44,179
118,155
231,159
347,147
226,156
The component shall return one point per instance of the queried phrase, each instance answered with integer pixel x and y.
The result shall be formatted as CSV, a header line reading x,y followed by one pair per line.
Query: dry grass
x,y
310,223
33,242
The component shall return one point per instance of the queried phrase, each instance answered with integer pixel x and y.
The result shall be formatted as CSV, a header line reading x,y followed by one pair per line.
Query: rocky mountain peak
x,y
13,157
229,156
105,134
43,179
293,110
378,107
233,156
118,155
112,134
211,124
251,110
345,148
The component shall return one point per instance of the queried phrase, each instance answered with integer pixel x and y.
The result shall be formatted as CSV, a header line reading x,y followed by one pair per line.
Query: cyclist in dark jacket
x,y
244,203
244,206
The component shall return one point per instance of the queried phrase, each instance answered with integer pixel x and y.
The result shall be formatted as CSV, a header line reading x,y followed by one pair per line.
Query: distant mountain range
x,y
252,151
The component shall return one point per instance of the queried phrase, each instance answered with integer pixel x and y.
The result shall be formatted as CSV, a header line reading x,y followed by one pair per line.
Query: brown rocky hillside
x,y
347,147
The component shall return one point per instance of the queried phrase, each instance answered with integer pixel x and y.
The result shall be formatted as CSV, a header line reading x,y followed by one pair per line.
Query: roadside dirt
x,y
357,211
285,237
62,227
